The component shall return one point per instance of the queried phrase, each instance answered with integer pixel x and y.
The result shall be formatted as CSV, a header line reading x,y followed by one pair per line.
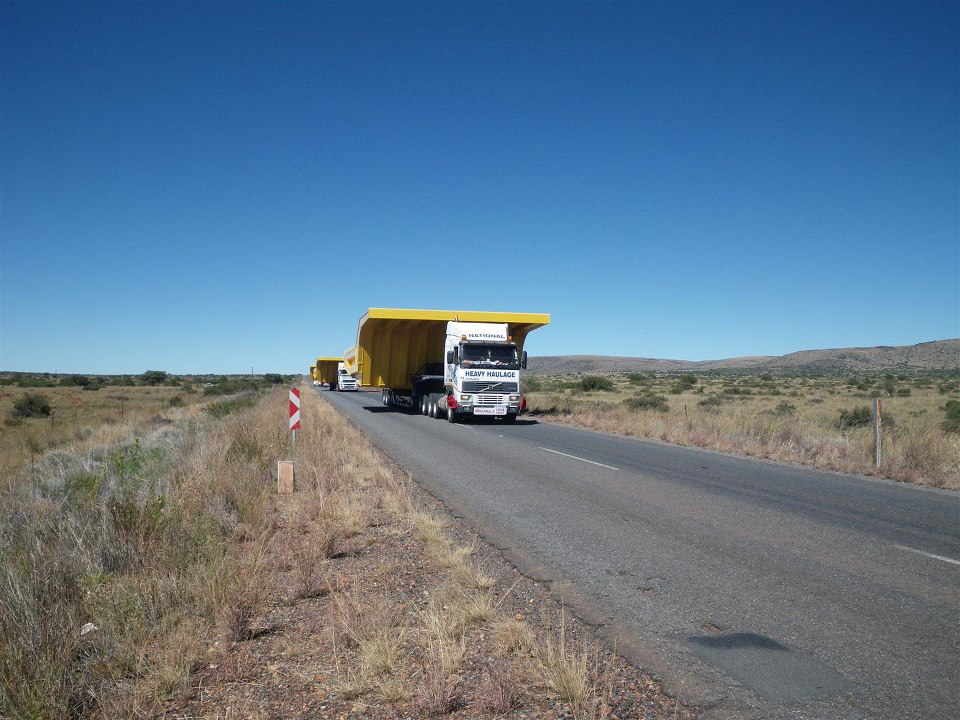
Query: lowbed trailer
x,y
444,362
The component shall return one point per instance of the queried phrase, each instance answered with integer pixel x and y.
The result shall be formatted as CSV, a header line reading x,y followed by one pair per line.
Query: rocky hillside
x,y
924,357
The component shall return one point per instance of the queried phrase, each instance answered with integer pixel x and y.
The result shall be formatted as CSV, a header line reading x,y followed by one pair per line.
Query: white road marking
x,y
929,555
574,457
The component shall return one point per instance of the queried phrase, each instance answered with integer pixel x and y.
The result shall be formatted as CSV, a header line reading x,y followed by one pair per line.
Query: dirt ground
x,y
298,662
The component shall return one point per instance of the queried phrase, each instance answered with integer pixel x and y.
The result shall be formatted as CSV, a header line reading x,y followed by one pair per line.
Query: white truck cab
x,y
482,371
345,382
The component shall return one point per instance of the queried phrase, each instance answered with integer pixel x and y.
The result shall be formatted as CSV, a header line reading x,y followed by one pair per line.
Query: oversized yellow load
x,y
444,361
326,371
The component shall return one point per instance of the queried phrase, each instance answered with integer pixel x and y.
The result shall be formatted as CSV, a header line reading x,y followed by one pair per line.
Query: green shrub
x,y
711,403
648,401
589,383
154,377
176,401
75,380
638,378
532,384
273,379
225,407
32,405
35,382
858,417
903,392
952,421
784,408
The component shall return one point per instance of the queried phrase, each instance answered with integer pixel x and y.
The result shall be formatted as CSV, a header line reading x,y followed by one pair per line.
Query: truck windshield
x,y
498,356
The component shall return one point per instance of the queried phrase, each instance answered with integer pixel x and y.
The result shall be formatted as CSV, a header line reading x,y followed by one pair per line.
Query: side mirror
x,y
523,360
449,357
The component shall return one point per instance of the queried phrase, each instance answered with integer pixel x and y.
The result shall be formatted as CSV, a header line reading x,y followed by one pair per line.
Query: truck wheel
x,y
451,415
433,406
510,418
423,404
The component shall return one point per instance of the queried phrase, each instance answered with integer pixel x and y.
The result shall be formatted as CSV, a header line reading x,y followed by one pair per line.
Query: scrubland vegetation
x,y
822,421
147,568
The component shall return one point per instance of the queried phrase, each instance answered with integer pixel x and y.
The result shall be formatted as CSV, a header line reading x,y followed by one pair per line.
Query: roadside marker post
x,y
877,431
285,468
294,413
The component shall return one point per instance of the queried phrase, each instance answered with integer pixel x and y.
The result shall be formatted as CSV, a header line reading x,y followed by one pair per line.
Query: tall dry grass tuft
x,y
499,691
438,692
564,671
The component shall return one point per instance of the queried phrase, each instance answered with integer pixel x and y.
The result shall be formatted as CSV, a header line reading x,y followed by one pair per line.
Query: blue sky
x,y
215,186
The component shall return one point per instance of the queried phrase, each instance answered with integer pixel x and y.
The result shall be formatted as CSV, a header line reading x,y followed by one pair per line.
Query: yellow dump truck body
x,y
392,344
313,373
327,369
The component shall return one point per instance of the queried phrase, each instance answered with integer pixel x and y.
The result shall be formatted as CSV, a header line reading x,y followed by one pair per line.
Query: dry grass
x,y
563,671
499,692
786,419
126,529
173,543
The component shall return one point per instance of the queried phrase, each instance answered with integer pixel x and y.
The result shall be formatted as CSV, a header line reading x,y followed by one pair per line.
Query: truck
x,y
345,381
326,371
444,363
330,371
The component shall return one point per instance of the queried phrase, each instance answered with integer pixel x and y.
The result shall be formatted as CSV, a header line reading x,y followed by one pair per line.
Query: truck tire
x,y
451,415
433,406
423,404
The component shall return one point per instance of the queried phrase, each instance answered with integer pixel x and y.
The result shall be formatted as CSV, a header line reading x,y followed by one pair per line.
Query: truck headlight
x,y
514,398
465,398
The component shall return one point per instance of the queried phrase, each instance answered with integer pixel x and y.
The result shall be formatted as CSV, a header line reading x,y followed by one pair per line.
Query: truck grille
x,y
478,386
490,400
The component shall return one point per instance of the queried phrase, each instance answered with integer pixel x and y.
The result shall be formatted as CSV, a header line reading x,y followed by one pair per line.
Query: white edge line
x,y
574,457
929,555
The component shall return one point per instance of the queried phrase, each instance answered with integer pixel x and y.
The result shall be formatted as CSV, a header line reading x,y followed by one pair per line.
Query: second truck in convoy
x,y
330,371
444,363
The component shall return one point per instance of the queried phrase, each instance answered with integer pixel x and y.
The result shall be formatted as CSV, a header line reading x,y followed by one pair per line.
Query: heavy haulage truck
x,y
330,371
444,363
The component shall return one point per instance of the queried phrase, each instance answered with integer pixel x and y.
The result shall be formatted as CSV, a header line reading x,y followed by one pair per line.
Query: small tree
x,y
154,377
32,405
274,378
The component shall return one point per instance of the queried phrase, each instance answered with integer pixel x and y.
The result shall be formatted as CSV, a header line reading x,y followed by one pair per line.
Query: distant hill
x,y
924,357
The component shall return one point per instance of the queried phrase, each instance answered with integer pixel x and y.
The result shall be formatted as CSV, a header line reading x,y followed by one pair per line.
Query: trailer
x,y
444,363
326,371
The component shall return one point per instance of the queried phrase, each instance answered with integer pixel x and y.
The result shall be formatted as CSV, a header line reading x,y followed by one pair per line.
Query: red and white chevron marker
x,y
294,409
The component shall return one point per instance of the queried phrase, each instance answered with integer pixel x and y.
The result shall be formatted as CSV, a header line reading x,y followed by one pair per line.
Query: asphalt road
x,y
752,588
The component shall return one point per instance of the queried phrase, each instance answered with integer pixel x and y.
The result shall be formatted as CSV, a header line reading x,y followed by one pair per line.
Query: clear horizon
x,y
206,187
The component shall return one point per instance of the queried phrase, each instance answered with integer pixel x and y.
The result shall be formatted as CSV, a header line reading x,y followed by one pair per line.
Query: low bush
x,y
857,417
952,421
590,383
31,405
225,407
532,384
784,408
648,401
638,378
